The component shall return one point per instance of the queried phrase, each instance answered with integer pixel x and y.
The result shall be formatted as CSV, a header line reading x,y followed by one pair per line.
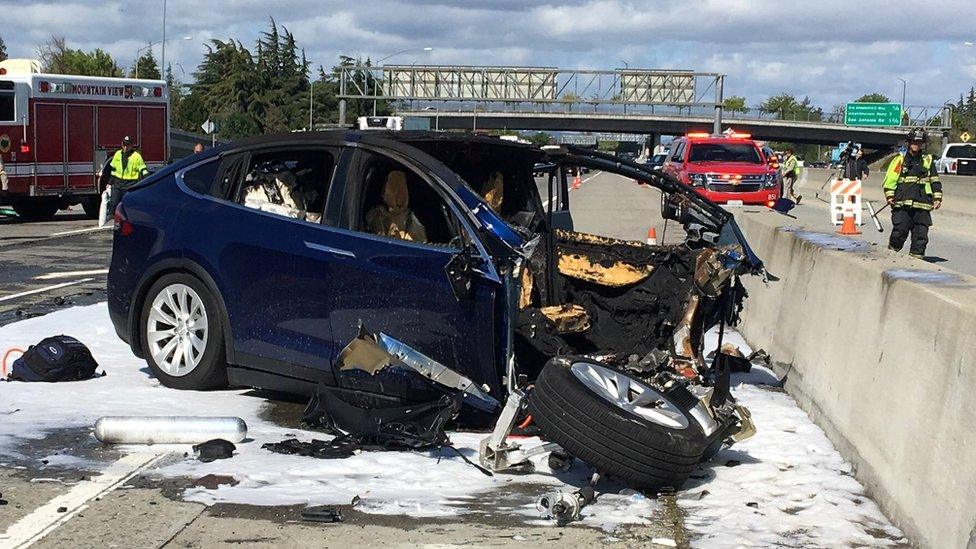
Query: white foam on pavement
x,y
424,484
803,491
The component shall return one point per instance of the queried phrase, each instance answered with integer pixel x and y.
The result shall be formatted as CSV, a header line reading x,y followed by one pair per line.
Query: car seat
x,y
394,217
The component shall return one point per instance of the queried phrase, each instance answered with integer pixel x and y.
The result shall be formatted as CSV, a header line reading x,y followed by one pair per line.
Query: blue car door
x,y
400,284
255,249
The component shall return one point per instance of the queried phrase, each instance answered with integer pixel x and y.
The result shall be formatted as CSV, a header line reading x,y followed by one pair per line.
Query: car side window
x,y
291,183
394,201
679,149
200,178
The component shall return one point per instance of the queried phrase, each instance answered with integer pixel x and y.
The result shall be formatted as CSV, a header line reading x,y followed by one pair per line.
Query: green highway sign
x,y
872,114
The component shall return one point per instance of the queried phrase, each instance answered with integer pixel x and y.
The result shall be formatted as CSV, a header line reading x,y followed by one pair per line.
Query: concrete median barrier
x,y
880,351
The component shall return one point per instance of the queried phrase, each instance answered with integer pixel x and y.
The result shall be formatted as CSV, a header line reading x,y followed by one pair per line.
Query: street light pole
x,y
375,90
149,47
162,55
904,87
311,96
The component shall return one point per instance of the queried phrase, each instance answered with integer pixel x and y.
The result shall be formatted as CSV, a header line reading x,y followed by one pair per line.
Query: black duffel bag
x,y
56,358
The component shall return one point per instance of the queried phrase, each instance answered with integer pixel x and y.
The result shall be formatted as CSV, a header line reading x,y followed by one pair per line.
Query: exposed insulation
x,y
615,274
525,292
568,319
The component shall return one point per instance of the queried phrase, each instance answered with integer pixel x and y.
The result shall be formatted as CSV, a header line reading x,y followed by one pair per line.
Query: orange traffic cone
x,y
651,237
577,182
848,228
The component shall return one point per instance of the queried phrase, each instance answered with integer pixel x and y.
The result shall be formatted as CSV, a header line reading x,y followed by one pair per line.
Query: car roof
x,y
716,139
376,137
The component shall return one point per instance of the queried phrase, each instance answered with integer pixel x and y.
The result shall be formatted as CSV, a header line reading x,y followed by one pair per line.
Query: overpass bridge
x,y
795,131
630,100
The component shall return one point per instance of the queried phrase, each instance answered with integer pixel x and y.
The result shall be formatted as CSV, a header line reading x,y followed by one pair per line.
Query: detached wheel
x,y
37,209
182,334
617,424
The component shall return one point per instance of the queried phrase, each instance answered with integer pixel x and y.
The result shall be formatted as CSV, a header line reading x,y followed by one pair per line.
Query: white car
x,y
958,158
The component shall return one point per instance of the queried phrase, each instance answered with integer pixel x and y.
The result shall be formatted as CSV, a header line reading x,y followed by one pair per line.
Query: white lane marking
x,y
545,203
591,177
43,520
45,289
69,274
82,231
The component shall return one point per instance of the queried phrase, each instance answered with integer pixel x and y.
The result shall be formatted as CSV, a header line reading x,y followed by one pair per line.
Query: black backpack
x,y
57,358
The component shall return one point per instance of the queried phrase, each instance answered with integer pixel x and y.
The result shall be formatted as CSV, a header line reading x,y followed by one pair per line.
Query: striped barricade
x,y
845,199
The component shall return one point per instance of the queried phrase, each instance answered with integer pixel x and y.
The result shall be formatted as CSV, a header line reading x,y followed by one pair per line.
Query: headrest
x,y
395,193
494,190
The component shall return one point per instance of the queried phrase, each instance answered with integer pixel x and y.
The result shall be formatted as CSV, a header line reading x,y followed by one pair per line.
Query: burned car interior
x,y
572,299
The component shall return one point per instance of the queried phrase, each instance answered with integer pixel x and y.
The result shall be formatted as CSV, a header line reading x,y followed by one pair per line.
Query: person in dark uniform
x,y
913,189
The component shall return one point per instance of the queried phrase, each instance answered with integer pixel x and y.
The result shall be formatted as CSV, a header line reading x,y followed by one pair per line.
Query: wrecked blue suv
x,y
256,263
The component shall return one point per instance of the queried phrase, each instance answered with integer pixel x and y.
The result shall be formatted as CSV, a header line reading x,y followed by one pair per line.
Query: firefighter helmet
x,y
917,134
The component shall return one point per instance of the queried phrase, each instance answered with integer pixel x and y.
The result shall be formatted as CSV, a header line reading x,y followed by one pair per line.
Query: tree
x,y
541,138
58,58
735,104
873,98
145,67
786,107
3,50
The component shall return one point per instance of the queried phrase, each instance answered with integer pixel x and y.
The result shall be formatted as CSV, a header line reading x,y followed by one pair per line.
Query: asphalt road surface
x,y
46,265
952,238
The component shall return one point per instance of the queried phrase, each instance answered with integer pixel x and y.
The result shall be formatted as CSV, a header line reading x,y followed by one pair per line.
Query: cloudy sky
x,y
831,50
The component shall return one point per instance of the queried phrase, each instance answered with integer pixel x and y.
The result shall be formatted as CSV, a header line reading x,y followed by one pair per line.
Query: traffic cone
x,y
848,228
577,182
651,237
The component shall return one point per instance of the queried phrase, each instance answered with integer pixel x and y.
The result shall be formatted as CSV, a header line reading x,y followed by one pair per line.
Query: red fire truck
x,y
56,132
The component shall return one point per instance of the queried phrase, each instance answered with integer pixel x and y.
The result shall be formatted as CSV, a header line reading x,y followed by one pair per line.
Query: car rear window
x,y
961,151
201,178
724,152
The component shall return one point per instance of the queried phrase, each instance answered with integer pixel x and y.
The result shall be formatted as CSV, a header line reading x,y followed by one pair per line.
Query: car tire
x,y
645,453
36,209
171,317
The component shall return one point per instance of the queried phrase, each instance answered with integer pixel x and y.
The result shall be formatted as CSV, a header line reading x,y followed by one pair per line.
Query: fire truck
x,y
56,132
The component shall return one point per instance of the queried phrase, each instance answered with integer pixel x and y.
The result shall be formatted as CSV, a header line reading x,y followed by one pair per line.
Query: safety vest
x,y
135,168
912,190
791,165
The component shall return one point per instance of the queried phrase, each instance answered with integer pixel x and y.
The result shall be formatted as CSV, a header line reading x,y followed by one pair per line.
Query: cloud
x,y
830,50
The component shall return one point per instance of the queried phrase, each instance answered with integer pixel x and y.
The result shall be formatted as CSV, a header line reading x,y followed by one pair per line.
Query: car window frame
x,y
244,162
352,195
679,153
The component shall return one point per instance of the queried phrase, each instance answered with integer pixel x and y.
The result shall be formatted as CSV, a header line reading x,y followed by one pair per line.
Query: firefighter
x,y
913,190
125,169
791,171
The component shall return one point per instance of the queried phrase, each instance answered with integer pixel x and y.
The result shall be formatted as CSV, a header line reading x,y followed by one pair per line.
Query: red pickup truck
x,y
728,169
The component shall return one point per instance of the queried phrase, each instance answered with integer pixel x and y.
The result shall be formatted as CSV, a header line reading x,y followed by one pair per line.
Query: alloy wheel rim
x,y
630,394
177,330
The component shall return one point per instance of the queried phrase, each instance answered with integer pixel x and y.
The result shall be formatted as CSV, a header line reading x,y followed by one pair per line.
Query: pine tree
x,y
3,50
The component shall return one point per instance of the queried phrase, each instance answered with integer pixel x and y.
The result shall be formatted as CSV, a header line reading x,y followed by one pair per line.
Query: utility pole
x,y
162,55
311,96
719,99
